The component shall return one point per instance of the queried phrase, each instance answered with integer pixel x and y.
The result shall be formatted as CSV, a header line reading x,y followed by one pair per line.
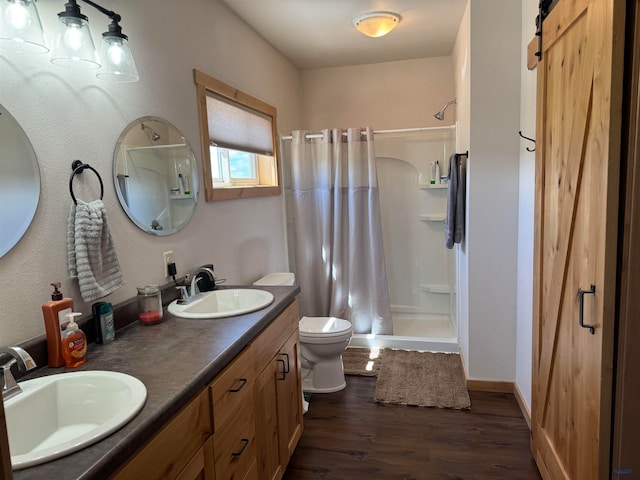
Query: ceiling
x,y
320,33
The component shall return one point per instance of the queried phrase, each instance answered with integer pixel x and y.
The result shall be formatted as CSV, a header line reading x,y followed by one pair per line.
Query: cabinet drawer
x,y
267,344
252,474
201,465
163,456
232,387
234,444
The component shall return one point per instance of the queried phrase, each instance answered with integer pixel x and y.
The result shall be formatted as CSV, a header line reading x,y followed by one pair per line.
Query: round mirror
x,y
156,176
19,182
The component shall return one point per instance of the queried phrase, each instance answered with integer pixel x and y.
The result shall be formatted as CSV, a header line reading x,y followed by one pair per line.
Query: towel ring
x,y
78,167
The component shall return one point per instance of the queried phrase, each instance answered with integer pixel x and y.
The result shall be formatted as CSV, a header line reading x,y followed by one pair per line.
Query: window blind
x,y
237,127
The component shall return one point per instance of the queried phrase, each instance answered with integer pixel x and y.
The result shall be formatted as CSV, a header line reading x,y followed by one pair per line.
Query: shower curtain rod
x,y
382,132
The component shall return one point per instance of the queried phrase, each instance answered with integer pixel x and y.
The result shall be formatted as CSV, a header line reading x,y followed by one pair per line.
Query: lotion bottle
x,y
74,343
55,321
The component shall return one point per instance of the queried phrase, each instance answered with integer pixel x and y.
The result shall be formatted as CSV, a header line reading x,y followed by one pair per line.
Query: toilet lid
x,y
323,327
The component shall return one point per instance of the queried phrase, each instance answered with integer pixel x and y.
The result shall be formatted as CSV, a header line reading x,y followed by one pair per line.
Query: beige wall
x,y
390,95
69,115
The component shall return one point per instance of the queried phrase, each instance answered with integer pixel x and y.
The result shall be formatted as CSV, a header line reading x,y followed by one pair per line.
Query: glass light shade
x,y
376,24
74,47
20,26
117,61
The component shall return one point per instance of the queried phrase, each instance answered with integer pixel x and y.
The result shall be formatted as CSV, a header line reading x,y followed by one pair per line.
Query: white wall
x,y
69,115
389,95
526,208
487,59
493,187
462,81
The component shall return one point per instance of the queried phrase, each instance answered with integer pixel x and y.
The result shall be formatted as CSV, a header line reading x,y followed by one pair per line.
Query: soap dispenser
x,y
74,343
55,320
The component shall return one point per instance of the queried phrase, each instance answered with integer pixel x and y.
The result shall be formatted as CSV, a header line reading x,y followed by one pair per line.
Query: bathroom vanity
x,y
224,399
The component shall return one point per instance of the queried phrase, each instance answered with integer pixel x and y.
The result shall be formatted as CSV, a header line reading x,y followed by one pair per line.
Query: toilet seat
x,y
324,327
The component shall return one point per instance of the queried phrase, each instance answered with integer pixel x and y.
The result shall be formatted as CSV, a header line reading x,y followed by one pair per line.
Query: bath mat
x,y
423,379
362,361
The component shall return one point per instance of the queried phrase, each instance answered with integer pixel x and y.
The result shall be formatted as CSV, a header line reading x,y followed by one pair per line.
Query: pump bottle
x,y
74,343
55,321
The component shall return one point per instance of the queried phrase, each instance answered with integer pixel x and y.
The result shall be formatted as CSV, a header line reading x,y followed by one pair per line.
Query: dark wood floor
x,y
347,436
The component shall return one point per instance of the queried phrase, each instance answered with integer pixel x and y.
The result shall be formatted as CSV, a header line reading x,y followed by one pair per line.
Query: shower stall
x,y
421,271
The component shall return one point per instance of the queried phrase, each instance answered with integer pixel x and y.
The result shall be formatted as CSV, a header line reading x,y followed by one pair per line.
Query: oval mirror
x,y
19,182
155,175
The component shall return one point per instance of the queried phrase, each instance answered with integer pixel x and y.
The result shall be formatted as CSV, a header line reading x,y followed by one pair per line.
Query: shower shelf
x,y
432,217
434,288
429,186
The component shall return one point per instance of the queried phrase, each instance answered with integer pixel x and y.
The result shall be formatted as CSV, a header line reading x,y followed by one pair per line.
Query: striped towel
x,y
91,255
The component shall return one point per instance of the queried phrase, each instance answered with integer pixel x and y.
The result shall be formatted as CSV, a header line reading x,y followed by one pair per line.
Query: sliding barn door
x,y
577,174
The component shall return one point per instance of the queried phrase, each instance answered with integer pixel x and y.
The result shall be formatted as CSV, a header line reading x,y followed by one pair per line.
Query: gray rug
x,y
362,361
423,379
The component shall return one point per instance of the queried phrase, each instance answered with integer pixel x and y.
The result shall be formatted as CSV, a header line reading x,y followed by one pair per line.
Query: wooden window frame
x,y
206,83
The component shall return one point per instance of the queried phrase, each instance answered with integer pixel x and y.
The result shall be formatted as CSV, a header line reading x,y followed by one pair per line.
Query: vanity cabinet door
x,y
290,398
270,461
278,394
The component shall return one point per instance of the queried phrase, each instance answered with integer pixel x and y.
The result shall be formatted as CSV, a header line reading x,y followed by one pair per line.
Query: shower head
x,y
440,114
152,133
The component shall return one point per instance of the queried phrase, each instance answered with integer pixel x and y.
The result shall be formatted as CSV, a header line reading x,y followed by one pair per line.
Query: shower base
x,y
426,333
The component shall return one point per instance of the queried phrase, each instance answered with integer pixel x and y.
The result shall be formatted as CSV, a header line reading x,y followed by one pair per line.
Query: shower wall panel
x,y
421,271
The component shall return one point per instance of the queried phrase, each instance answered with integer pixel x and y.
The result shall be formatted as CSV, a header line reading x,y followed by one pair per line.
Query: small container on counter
x,y
149,304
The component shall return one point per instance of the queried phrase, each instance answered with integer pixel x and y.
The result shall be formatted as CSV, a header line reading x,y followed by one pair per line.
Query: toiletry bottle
x,y
107,326
437,171
433,173
103,322
55,320
74,343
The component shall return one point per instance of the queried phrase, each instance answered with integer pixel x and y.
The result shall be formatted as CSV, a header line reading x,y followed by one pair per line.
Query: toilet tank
x,y
277,278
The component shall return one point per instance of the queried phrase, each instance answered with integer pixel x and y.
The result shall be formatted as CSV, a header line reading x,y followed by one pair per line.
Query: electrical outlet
x,y
168,258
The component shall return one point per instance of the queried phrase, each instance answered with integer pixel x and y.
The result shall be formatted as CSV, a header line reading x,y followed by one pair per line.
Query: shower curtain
x,y
339,259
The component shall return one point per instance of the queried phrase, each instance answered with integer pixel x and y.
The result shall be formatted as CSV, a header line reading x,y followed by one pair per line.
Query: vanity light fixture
x,y
376,24
20,24
74,46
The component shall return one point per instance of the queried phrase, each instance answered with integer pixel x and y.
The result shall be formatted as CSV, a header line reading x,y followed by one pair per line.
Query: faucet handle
x,y
183,294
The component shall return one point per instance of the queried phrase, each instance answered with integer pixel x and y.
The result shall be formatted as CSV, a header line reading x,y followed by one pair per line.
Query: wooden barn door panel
x,y
574,243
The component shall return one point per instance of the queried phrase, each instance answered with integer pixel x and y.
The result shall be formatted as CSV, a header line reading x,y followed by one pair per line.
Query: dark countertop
x,y
175,360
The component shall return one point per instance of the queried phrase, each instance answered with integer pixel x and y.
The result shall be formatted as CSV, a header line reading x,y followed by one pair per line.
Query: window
x,y
233,167
238,138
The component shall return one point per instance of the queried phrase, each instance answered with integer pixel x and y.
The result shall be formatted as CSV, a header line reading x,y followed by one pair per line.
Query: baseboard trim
x,y
497,387
490,386
523,405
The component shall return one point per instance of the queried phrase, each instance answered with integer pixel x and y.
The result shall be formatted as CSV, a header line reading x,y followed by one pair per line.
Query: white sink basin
x,y
222,303
60,414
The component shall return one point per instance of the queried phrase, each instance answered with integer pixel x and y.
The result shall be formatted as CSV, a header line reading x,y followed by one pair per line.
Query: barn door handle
x,y
581,294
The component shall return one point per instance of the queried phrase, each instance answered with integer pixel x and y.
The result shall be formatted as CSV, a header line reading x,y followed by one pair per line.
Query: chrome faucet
x,y
195,278
10,387
185,295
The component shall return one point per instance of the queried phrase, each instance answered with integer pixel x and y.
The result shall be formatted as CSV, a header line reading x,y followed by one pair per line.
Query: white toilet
x,y
322,341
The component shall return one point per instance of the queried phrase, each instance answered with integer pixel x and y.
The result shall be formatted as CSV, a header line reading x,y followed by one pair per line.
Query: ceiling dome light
x,y
376,24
